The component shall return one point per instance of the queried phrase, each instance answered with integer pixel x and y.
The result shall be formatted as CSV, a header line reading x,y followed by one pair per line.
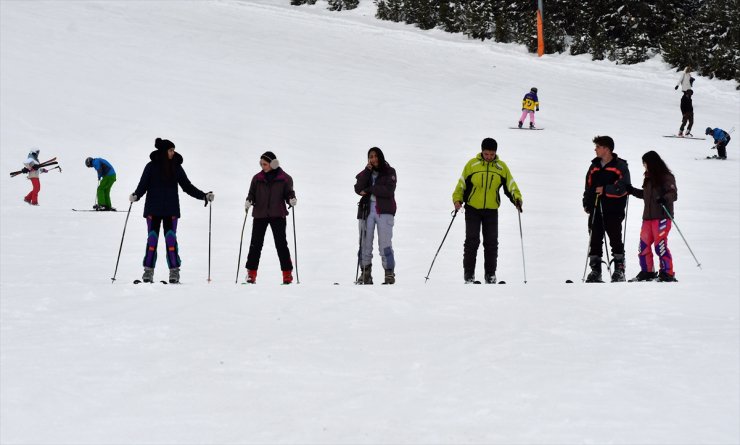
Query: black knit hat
x,y
270,158
489,144
163,144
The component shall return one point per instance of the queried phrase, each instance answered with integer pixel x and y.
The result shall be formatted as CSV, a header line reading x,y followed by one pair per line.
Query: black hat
x,y
270,157
88,162
163,144
534,90
708,130
489,144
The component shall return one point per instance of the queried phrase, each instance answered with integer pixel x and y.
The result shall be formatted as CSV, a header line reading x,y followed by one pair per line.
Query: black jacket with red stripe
x,y
614,177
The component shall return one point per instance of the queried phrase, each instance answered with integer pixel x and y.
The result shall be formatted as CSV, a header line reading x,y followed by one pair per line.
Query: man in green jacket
x,y
478,189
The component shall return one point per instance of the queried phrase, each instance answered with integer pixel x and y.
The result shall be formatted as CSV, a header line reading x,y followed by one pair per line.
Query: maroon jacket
x,y
649,193
269,192
384,190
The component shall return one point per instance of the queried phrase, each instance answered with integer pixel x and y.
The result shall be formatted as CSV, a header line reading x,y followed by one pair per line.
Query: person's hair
x,y
655,168
604,141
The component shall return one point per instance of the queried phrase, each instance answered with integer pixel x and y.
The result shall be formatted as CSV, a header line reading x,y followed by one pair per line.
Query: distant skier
x,y
658,190
721,139
605,199
31,166
530,104
159,182
269,191
478,190
685,81
106,178
376,183
687,110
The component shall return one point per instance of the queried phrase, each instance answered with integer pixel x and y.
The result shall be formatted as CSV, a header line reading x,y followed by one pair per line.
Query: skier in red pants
x,y
31,166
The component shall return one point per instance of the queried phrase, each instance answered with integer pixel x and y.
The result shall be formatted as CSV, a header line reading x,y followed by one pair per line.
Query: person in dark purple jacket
x,y
159,182
269,191
376,183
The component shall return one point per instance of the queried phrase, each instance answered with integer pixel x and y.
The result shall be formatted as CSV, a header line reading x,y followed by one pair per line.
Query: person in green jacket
x,y
478,190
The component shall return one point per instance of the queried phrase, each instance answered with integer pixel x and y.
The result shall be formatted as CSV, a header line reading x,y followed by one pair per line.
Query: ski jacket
x,y
160,186
30,163
720,136
687,105
615,178
650,194
384,189
481,181
269,192
530,101
685,81
103,168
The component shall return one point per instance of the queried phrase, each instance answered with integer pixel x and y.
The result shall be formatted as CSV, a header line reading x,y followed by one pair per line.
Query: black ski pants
x,y
687,117
612,225
476,221
259,228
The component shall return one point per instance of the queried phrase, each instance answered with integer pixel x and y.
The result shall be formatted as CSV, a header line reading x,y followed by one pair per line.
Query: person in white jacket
x,y
31,166
685,80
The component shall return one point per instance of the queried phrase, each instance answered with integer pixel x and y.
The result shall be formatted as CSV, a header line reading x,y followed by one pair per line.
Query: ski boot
x,y
251,276
148,276
175,275
531,126
689,135
618,275
390,277
644,276
595,275
287,277
520,124
664,276
366,277
491,278
680,134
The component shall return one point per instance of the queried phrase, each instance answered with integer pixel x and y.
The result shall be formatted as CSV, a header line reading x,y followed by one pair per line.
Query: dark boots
x,y
390,277
618,274
366,275
645,276
595,275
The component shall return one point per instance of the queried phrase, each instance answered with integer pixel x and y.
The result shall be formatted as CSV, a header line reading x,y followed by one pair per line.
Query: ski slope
x,y
86,361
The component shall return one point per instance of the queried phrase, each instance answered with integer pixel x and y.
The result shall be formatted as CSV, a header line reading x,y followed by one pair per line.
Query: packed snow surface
x,y
87,361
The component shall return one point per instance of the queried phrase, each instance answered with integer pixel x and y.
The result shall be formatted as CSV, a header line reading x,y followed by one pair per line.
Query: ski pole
x,y
295,249
362,230
590,237
210,213
521,237
606,246
241,241
624,235
121,247
698,264
454,214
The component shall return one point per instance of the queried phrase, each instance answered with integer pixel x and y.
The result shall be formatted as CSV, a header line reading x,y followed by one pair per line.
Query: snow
x,y
86,361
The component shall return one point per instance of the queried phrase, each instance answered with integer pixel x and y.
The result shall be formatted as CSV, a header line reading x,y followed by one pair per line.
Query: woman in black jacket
x,y
159,181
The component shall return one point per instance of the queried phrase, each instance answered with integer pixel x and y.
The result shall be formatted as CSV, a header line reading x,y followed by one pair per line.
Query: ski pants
x,y
526,112
476,221
612,225
259,228
687,117
153,223
104,190
384,223
33,196
655,232
722,148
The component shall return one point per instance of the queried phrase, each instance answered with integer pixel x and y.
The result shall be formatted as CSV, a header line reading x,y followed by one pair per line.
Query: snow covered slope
x,y
86,361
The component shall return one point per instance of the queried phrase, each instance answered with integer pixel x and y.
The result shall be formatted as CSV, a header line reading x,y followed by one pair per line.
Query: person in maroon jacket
x,y
269,191
376,183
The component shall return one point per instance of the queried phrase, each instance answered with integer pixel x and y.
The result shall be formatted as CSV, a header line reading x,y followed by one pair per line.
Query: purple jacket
x,y
269,192
384,190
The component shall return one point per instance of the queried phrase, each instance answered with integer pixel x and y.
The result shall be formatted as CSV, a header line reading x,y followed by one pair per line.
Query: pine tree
x,y
390,10
478,19
452,15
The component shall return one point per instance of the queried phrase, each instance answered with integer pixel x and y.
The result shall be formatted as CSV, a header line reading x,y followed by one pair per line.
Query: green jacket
x,y
480,182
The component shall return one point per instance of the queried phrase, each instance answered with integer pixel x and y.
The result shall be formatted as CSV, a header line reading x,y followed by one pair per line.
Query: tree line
x,y
703,34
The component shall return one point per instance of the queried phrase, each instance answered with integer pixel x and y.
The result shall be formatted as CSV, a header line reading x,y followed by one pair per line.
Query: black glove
x,y
661,200
630,189
518,205
676,87
538,109
24,170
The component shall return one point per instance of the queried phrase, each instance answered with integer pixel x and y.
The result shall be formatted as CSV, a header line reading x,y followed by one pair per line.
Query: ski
x,y
525,128
93,210
161,281
711,157
48,163
684,137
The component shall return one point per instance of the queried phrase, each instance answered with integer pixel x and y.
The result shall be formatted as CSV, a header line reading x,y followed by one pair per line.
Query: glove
x,y
630,189
210,197
247,205
43,170
661,200
538,109
518,205
676,87
292,202
25,170
133,198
